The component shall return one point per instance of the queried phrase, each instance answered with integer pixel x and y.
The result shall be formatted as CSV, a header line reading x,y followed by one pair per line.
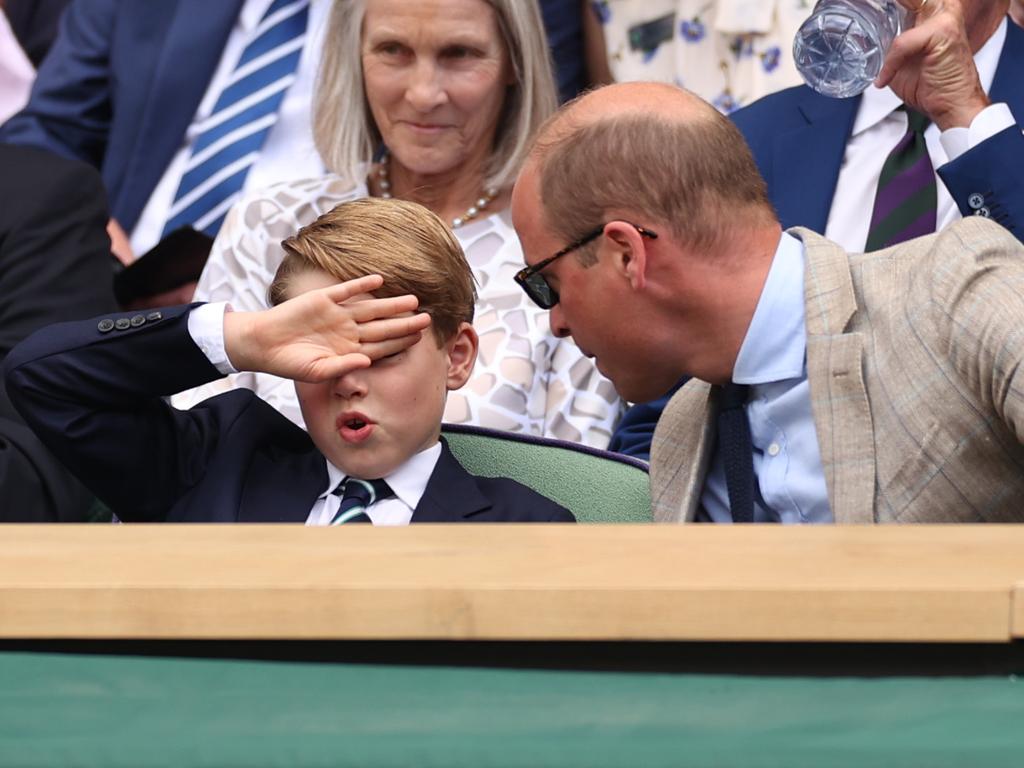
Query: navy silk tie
x,y
737,451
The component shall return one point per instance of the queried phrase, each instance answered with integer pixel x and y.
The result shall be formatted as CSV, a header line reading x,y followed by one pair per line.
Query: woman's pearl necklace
x,y
384,182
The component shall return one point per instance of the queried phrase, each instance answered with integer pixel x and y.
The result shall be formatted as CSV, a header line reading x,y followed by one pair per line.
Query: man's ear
x,y
628,252
461,350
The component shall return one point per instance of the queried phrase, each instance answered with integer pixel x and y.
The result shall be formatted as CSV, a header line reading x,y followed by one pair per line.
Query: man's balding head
x,y
622,100
651,150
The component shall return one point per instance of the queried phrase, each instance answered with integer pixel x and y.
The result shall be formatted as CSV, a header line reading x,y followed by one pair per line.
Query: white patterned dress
x,y
525,380
729,52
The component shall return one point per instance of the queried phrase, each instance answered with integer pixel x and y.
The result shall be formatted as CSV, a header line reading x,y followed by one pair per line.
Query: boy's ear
x,y
461,349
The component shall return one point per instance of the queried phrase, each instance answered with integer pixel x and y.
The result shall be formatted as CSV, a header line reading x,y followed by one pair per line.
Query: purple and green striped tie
x,y
907,194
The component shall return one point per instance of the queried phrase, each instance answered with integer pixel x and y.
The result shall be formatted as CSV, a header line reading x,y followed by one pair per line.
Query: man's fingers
x,y
922,8
911,43
393,328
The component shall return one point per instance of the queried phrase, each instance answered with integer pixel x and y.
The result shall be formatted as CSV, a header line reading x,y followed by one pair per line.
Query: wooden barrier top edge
x,y
909,583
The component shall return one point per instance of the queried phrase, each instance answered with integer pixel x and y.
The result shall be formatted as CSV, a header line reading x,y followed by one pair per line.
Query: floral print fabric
x,y
730,52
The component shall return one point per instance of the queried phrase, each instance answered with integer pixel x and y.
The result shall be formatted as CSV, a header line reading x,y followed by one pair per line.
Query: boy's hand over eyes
x,y
316,336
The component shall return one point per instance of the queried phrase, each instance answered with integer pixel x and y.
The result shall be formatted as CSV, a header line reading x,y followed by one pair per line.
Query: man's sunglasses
x,y
536,285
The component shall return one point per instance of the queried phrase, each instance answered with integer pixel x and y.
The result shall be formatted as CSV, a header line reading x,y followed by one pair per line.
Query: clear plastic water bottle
x,y
839,50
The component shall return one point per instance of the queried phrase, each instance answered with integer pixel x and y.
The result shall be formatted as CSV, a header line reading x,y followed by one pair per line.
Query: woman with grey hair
x,y
435,102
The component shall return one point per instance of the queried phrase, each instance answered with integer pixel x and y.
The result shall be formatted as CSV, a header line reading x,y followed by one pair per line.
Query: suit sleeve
x,y
986,180
978,303
69,110
92,391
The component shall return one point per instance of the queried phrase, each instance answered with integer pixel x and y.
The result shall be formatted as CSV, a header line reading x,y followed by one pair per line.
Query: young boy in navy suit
x,y
371,378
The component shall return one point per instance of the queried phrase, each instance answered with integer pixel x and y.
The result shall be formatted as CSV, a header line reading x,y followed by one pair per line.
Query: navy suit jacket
x,y
798,138
124,78
93,394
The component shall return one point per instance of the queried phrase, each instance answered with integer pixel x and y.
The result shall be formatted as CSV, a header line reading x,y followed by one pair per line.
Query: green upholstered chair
x,y
596,486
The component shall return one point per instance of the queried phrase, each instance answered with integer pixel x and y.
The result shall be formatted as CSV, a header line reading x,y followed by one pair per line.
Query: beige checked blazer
x,y
915,358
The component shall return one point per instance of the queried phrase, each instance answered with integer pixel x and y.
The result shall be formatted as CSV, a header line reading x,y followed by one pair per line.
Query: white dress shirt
x,y
409,481
288,152
773,361
878,128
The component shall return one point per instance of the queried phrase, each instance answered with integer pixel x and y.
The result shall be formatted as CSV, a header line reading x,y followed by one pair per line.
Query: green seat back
x,y
596,486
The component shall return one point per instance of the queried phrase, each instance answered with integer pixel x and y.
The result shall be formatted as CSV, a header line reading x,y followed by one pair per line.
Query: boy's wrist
x,y
239,345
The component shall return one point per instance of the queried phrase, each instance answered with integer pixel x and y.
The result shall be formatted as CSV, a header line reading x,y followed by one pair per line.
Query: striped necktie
x,y
231,137
356,497
737,451
907,195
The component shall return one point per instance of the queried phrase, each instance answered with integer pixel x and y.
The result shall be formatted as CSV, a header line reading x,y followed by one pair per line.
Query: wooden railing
x,y
539,582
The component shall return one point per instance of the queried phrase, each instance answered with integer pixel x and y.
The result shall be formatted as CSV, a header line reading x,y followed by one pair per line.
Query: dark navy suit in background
x,y
93,394
55,265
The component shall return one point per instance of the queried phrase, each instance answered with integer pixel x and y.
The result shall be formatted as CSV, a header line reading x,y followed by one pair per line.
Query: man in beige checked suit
x,y
883,387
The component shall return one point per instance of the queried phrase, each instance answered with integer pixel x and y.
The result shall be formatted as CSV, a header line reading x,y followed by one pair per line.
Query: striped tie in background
x,y
907,197
230,139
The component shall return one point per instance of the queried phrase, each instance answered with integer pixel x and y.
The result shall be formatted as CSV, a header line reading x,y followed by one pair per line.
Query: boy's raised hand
x,y
315,336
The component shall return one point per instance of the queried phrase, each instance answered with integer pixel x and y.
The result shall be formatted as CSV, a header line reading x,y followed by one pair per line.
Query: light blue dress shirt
x,y
790,484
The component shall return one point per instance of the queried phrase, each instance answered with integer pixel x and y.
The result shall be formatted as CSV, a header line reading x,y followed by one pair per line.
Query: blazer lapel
x,y
1006,86
835,372
680,453
282,489
813,153
451,494
191,49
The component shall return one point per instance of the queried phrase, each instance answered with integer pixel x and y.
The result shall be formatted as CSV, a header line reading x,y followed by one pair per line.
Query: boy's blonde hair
x,y
410,247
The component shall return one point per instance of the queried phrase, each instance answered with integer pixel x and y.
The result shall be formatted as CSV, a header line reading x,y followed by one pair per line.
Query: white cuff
x,y
990,121
206,327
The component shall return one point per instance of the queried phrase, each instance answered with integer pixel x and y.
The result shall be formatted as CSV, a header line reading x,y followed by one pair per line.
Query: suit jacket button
x,y
983,211
976,200
137,320
154,316
123,324
105,325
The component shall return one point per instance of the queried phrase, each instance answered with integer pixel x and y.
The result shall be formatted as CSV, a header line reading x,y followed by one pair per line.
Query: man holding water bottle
x,y
957,68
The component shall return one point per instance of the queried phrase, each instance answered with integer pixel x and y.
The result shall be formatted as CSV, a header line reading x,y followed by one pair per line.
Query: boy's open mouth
x,y
354,427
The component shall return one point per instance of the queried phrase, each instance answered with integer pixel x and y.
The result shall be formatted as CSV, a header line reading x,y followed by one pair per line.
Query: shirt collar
x,y
775,346
878,103
409,481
